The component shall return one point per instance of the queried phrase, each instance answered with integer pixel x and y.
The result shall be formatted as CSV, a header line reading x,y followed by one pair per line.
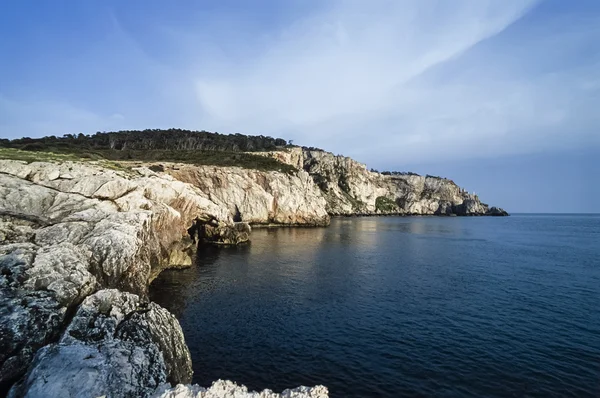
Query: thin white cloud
x,y
355,79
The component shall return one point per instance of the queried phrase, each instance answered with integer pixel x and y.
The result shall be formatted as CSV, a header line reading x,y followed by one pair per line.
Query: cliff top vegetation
x,y
172,145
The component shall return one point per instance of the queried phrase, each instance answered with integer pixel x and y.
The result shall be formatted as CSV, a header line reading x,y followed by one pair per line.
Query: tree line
x,y
150,139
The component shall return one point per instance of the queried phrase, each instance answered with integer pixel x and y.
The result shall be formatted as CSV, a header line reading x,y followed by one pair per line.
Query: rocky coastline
x,y
80,242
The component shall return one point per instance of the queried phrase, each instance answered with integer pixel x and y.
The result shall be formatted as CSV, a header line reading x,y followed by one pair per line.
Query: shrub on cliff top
x,y
174,145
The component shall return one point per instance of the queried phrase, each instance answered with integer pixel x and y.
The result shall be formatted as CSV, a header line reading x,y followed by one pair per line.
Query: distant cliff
x,y
349,188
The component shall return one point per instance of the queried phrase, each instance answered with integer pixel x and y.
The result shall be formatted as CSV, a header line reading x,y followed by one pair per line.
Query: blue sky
x,y
500,96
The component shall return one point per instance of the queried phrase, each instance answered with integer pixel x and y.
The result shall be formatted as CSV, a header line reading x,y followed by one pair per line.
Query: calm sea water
x,y
388,307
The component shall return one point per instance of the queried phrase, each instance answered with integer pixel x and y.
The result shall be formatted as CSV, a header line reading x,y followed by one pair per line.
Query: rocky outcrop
x,y
496,211
294,156
211,230
226,389
71,229
119,343
350,188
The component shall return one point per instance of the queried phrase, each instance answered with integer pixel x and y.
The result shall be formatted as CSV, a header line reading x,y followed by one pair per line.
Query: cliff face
x,y
68,230
258,197
349,188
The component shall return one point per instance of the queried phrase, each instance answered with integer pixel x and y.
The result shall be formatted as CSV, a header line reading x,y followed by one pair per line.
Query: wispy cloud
x,y
333,75
363,79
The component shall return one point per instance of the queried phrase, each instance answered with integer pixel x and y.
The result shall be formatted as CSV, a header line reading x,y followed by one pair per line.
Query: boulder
x,y
496,211
224,233
116,345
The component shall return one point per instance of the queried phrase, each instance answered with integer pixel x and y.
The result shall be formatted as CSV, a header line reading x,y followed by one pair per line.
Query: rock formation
x,y
71,229
349,188
258,197
226,389
121,344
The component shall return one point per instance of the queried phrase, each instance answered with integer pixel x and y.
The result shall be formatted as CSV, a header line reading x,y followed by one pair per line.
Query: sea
x,y
399,307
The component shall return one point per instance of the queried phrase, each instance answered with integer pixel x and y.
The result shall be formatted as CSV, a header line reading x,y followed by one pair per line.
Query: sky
x,y
502,96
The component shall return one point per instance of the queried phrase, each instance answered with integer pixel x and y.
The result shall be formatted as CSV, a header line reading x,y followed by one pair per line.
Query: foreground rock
x,y
228,389
123,346
71,229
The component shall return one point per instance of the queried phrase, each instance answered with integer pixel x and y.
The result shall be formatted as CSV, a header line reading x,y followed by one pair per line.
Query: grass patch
x,y
29,156
111,157
53,157
357,205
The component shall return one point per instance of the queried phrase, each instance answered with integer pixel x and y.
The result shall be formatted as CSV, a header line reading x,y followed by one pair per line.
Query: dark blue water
x,y
388,307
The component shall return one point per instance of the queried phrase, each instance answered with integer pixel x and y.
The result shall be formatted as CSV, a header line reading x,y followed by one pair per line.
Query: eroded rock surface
x,y
259,197
116,344
228,389
71,229
350,188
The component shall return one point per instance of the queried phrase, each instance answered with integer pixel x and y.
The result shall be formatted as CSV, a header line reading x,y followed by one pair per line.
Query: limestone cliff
x,y
258,197
70,229
349,188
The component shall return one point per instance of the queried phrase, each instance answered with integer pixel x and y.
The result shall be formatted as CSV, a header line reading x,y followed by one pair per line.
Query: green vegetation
x,y
28,156
208,158
321,181
385,204
397,173
357,205
38,156
436,177
112,158
195,147
343,183
171,139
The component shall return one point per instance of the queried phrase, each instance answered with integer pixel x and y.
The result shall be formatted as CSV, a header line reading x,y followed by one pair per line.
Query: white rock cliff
x,y
349,188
